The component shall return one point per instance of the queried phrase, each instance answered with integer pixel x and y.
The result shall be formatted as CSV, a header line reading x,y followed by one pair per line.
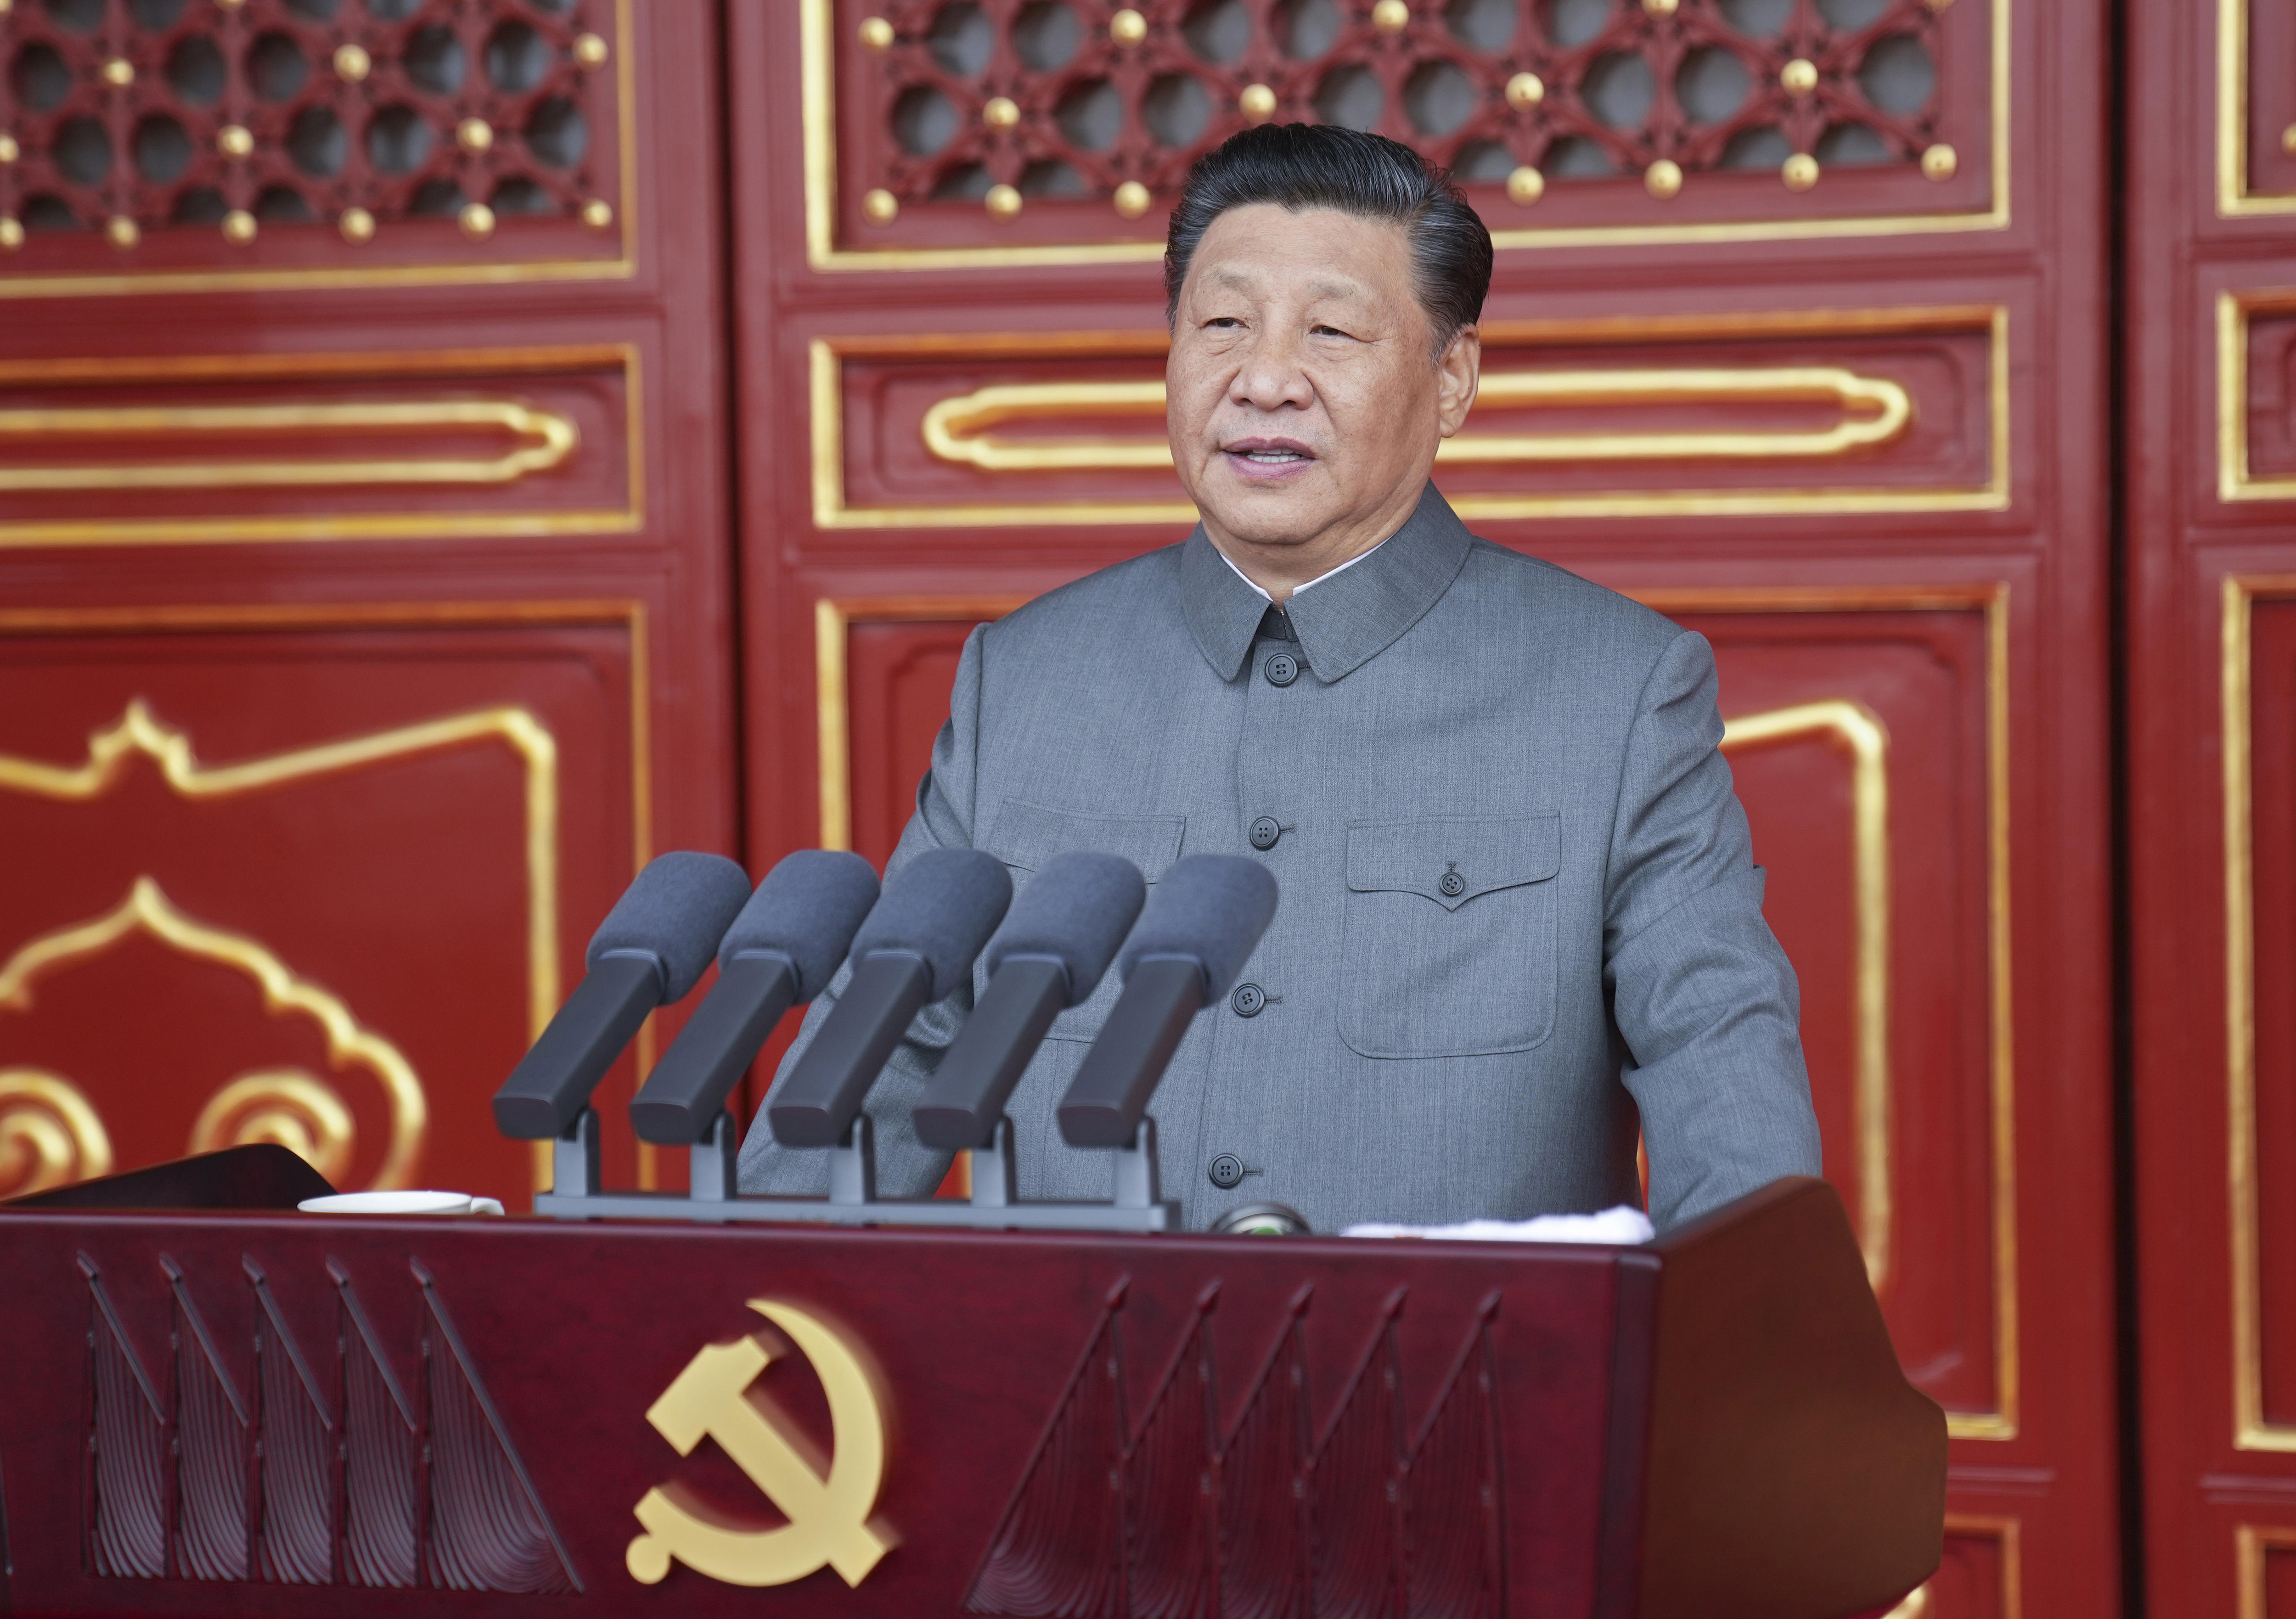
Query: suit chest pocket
x,y
1025,836
1448,947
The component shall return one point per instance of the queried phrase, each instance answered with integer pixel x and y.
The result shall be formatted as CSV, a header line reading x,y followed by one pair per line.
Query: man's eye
x,y
1328,331
1222,322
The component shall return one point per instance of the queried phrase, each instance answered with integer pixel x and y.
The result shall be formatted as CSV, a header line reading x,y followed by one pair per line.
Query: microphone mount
x,y
1138,1203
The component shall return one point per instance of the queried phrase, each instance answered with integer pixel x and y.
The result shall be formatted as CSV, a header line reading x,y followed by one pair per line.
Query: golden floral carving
x,y
50,1135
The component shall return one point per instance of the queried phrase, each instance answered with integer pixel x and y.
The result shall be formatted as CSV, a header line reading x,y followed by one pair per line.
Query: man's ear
x,y
1459,372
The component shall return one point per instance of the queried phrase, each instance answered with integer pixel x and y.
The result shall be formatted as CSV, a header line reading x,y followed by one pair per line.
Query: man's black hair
x,y
1305,166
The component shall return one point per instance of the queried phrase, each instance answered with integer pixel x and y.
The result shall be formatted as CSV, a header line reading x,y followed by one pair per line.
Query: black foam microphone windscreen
x,y
1075,912
806,911
917,946
675,914
1200,927
1053,950
780,952
652,946
1213,908
940,907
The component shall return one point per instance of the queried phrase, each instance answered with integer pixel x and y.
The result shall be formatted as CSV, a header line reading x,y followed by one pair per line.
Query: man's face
x,y
1303,404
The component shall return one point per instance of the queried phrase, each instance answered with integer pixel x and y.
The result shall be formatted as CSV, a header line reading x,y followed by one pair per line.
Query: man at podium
x,y
1520,926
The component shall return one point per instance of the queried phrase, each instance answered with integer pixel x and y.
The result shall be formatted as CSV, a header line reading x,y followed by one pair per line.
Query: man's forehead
x,y
1252,278
1252,248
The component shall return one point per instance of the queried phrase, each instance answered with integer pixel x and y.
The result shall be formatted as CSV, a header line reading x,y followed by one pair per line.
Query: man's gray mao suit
x,y
1519,914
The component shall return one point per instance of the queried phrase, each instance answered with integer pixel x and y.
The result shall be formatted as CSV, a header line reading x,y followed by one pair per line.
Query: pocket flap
x,y
1027,834
1452,858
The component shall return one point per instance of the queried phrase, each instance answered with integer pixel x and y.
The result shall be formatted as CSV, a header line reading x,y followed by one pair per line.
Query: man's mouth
x,y
1274,453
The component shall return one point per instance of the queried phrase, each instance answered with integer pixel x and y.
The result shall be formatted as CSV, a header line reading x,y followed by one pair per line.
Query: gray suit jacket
x,y
1427,1050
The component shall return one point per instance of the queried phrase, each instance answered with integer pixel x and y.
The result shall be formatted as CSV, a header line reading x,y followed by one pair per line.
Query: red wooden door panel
x,y
361,484
1815,288
2211,276
301,879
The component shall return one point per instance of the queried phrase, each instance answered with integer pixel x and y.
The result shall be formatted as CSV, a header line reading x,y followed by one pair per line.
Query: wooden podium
x,y
256,1412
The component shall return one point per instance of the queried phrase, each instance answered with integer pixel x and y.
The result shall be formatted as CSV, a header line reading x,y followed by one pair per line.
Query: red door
x,y
2211,590
363,591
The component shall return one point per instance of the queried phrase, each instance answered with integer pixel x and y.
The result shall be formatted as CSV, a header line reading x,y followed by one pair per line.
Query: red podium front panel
x,y
254,1414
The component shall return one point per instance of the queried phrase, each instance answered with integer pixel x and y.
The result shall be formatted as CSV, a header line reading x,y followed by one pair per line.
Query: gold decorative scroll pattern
x,y
550,438
1858,729
277,1104
286,1106
1875,410
1846,721
50,1135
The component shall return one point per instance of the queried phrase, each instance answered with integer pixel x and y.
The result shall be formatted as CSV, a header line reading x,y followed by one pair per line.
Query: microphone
x,y
1199,927
917,946
780,952
1054,949
652,947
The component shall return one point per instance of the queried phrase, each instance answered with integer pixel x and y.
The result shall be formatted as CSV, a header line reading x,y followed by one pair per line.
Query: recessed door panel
x,y
315,885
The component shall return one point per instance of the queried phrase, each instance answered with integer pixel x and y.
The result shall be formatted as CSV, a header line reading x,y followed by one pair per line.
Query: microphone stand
x,y
1138,1203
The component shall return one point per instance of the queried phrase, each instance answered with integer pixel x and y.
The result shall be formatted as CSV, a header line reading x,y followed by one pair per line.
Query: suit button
x,y
1227,1171
1265,832
1250,1000
1281,669
1453,885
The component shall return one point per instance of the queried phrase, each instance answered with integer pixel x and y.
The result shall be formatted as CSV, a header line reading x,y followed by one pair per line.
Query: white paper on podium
x,y
1623,1226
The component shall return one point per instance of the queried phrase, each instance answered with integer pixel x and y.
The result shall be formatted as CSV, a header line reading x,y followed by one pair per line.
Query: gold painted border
x,y
543,944
486,523
2250,1543
2235,480
1861,731
2238,595
833,616
817,107
826,386
620,268
832,712
2235,199
2010,1533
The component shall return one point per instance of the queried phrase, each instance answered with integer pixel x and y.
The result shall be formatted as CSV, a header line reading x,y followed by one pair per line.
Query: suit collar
x,y
1349,618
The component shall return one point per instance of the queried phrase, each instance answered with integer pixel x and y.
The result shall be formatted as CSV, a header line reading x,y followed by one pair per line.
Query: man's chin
x,y
1258,515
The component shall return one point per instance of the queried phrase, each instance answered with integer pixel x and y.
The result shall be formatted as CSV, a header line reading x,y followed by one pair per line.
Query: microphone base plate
x,y
944,1213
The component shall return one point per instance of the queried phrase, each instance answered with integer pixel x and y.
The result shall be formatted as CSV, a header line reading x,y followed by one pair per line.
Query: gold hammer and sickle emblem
x,y
828,1516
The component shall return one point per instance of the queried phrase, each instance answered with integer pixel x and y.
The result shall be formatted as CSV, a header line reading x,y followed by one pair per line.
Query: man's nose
x,y
1270,377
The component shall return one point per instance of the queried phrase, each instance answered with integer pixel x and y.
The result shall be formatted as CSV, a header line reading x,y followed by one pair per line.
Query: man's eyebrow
x,y
1245,281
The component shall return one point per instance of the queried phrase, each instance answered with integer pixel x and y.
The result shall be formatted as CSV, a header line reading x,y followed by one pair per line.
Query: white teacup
x,y
400,1203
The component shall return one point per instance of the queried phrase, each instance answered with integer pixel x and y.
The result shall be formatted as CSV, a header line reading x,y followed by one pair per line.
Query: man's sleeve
x,y
944,819
1702,995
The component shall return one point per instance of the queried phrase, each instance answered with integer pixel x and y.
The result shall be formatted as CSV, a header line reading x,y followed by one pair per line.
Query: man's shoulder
x,y
1135,586
1543,599
1121,586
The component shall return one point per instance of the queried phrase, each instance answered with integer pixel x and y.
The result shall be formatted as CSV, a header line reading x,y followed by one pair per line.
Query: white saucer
x,y
400,1203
